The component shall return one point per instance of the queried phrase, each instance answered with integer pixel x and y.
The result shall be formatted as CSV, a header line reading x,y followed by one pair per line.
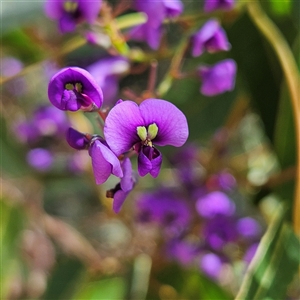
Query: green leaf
x,y
106,289
282,7
274,264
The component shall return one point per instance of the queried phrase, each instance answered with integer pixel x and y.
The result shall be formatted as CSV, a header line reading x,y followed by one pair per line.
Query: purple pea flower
x,y
211,5
40,159
104,161
211,38
74,88
45,121
156,12
215,204
211,265
219,231
106,72
218,78
122,189
131,126
71,12
165,209
248,228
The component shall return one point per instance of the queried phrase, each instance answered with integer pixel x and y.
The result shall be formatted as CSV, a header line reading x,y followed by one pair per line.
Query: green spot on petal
x,y
78,87
69,86
70,6
152,131
142,132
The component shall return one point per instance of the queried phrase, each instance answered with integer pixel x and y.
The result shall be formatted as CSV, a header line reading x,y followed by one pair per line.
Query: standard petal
x,y
120,126
172,124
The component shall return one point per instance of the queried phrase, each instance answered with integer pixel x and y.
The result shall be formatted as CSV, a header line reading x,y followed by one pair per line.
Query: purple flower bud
x,y
218,78
40,159
106,72
71,12
211,38
211,265
215,204
154,121
74,88
104,161
211,5
77,140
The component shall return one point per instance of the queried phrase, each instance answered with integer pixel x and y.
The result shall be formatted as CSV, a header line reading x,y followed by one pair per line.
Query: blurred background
x,y
218,222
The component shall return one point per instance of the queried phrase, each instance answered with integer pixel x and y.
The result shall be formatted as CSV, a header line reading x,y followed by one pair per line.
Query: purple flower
x,y
211,5
74,88
211,265
71,12
156,121
218,78
46,121
156,12
106,72
215,204
248,227
104,161
219,231
250,253
40,159
184,251
122,189
165,209
211,38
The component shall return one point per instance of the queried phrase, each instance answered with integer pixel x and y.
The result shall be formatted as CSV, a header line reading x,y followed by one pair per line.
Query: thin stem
x,y
291,74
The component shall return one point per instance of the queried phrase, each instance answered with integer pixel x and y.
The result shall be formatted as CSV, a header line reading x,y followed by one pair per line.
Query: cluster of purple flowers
x,y
211,38
128,128
199,219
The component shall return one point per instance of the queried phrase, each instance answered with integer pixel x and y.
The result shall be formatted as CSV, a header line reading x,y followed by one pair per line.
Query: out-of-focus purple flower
x,y
11,66
221,181
156,12
211,38
71,12
215,204
248,227
184,251
122,189
40,159
106,72
219,231
250,253
45,121
164,209
156,121
74,88
78,162
218,78
211,265
211,5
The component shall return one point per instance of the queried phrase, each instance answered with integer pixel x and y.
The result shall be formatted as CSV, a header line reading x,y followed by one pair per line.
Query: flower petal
x,y
104,162
119,199
172,124
127,180
144,164
120,126
76,139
